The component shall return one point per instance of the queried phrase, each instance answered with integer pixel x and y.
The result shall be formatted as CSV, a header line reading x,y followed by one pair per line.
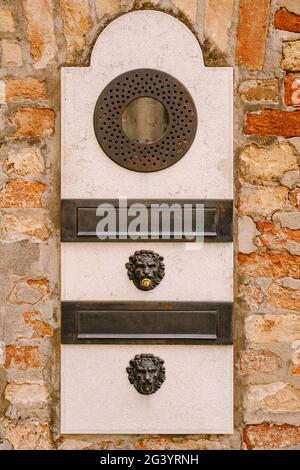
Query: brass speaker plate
x,y
143,156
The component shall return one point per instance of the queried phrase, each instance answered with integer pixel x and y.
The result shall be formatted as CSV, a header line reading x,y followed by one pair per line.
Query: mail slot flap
x,y
79,220
87,221
146,325
151,322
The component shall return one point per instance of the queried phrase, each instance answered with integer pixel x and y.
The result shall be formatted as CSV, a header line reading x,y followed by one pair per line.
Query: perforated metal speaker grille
x,y
176,140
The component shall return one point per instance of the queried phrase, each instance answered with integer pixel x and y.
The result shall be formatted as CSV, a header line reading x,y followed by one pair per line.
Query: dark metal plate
x,y
176,140
79,220
146,322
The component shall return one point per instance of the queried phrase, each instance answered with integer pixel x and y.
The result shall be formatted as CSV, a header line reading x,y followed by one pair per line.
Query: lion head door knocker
x,y
146,269
146,373
145,120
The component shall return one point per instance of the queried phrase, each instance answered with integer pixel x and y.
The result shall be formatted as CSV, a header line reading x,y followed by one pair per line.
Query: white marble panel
x,y
147,39
96,394
96,271
196,397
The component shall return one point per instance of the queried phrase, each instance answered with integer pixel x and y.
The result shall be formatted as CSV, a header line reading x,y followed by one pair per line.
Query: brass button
x,y
146,283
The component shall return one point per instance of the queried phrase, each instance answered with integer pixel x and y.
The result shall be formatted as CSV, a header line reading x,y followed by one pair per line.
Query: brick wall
x,y
261,40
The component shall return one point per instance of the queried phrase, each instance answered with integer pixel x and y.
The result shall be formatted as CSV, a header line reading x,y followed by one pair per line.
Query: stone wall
x,y
261,40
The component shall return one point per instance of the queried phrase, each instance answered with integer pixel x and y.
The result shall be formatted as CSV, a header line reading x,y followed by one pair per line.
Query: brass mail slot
x,y
146,322
163,220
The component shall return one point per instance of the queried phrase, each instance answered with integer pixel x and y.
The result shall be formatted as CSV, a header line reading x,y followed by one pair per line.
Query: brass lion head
x,y
146,269
146,373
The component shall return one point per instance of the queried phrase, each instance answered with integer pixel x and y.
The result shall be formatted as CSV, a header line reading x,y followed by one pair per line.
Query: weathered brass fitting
x,y
145,269
146,283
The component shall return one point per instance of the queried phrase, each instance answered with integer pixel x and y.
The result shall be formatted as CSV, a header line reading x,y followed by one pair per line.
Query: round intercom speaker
x,y
177,117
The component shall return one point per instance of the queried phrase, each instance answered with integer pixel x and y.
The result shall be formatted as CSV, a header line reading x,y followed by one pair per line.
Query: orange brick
x,y
280,297
271,122
274,264
287,20
22,194
273,236
22,357
40,328
182,443
30,89
33,122
271,436
252,33
296,369
41,285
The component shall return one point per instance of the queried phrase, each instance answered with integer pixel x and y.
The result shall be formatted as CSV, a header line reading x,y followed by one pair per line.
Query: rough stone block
x,y
251,293
261,200
185,443
28,435
6,21
18,226
290,220
11,53
272,400
270,328
40,31
27,401
24,161
291,56
291,179
278,296
247,232
290,283
258,361
259,164
274,237
22,357
218,18
77,23
29,89
92,443
259,91
33,122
